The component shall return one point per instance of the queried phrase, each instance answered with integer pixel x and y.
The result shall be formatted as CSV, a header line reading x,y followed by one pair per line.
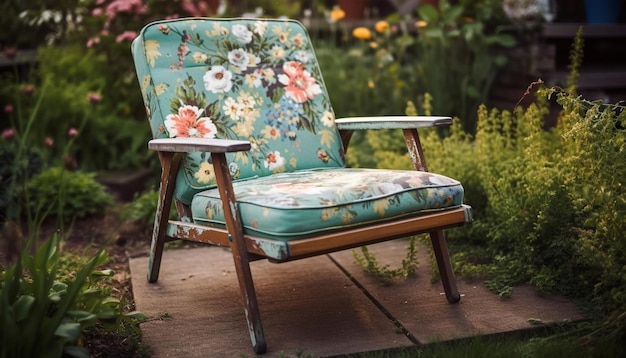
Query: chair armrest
x,y
391,122
185,145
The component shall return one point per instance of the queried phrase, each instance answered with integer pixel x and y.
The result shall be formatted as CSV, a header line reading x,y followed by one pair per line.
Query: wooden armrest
x,y
185,145
391,122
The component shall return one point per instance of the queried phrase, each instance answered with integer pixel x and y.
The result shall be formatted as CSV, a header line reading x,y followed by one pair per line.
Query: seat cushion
x,y
291,206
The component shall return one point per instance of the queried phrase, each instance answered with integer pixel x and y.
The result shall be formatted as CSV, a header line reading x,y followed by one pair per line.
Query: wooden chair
x,y
253,157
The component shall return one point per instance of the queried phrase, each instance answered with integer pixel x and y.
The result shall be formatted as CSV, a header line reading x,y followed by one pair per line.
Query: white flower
x,y
302,56
232,108
260,27
218,80
239,58
328,119
274,161
278,53
242,33
199,57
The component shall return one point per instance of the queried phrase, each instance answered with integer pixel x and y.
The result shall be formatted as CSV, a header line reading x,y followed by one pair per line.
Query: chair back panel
x,y
248,79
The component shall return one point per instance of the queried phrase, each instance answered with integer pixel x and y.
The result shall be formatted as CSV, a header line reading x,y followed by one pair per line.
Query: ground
x,y
122,241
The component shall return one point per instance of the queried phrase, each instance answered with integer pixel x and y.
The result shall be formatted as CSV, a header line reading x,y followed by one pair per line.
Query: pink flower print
x,y
188,123
300,85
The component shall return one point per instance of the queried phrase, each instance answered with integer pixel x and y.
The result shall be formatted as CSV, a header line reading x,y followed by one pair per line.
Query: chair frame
x,y
246,248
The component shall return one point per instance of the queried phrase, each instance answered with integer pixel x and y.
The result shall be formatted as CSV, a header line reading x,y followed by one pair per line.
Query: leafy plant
x,y
384,274
66,195
42,312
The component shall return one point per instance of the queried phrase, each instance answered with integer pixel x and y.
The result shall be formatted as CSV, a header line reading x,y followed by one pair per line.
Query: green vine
x,y
385,275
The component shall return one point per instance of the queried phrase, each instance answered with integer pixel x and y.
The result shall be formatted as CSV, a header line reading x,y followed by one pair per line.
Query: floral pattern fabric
x,y
258,80
249,79
290,206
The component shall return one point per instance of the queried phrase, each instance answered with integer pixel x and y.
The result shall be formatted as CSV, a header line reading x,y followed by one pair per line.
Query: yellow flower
x,y
337,14
381,26
421,23
362,33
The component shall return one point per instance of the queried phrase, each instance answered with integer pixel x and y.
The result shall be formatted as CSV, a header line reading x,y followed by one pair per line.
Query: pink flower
x,y
97,12
93,41
28,90
300,85
8,134
72,132
126,35
188,123
8,108
94,98
48,142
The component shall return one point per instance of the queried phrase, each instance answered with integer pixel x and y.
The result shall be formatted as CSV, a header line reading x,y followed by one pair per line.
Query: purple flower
x,y
72,132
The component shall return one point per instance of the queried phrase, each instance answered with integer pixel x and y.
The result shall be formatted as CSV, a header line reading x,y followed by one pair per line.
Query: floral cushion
x,y
249,79
290,206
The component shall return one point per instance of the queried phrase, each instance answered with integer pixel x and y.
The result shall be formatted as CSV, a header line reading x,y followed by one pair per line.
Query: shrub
x,y
66,195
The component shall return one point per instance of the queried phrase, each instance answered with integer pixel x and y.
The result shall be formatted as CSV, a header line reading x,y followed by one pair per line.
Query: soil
x,y
122,240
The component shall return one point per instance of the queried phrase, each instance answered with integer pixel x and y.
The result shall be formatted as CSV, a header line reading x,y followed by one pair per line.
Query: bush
x,y
66,195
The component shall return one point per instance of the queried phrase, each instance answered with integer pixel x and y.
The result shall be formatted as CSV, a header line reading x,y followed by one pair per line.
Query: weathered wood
x,y
186,144
239,251
414,146
169,164
376,233
391,122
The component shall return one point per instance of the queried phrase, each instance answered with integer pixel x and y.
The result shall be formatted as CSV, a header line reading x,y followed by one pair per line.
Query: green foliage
x,y
548,204
143,208
384,274
43,310
455,58
66,195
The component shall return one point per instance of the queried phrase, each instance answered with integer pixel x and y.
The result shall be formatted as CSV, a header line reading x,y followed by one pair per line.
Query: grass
x,y
506,346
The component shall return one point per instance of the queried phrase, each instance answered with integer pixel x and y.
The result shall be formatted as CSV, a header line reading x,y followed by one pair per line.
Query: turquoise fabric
x,y
258,80
290,206
249,79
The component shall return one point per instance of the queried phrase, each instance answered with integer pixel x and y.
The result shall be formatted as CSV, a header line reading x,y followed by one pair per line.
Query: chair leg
x,y
156,252
168,178
240,252
251,307
442,256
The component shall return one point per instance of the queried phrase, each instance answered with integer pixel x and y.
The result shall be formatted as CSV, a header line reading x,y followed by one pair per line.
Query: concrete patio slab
x,y
422,309
312,306
307,306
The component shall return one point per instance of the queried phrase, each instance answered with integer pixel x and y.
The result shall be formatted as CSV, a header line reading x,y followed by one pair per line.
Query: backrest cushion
x,y
249,79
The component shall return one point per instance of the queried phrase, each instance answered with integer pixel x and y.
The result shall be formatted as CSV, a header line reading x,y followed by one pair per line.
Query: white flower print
x,y
239,58
205,173
232,108
302,56
199,57
242,33
260,27
328,119
274,161
218,80
278,53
